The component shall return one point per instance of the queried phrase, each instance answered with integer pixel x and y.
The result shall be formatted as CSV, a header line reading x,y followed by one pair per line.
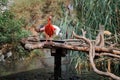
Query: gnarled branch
x,y
91,58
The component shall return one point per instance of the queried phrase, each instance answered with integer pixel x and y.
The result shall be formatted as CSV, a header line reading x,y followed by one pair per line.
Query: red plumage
x,y
49,29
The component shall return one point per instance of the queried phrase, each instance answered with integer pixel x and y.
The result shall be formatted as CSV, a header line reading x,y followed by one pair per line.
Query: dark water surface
x,y
43,69
44,74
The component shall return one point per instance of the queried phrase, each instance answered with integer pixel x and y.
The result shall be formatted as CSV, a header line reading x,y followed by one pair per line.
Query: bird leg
x,y
51,39
47,37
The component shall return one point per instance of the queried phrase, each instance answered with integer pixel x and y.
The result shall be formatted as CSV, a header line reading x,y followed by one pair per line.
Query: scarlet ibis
x,y
50,30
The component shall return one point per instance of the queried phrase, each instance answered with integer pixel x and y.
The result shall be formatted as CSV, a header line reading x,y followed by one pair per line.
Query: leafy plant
x,y
10,28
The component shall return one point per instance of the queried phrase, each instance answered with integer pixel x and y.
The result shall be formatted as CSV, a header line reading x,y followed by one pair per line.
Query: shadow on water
x,y
44,74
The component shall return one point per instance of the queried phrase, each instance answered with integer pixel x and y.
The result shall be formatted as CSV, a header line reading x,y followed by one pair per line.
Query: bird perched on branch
x,y
50,30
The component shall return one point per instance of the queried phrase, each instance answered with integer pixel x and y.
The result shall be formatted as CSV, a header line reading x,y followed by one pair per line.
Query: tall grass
x,y
91,13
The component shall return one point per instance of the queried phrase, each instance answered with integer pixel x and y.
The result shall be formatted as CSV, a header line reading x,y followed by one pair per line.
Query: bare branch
x,y
35,45
109,54
100,38
92,50
91,58
83,33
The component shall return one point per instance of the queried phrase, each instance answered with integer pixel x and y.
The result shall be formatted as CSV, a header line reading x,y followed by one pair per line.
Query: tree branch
x,y
88,46
91,58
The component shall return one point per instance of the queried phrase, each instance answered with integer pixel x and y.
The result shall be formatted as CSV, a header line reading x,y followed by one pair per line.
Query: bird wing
x,y
57,29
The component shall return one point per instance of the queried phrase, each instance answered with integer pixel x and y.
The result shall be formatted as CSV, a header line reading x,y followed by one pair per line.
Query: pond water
x,y
42,68
45,74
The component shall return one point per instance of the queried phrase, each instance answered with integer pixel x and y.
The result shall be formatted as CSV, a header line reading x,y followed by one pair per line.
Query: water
x,y
42,68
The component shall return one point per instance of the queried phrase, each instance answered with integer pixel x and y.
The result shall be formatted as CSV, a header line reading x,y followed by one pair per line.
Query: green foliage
x,y
91,13
3,2
10,28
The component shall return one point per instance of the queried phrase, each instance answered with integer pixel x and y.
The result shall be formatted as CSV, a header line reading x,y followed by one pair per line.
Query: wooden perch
x,y
92,47
85,48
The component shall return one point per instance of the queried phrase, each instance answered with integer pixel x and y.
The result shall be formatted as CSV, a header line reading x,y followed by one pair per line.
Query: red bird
x,y
49,29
